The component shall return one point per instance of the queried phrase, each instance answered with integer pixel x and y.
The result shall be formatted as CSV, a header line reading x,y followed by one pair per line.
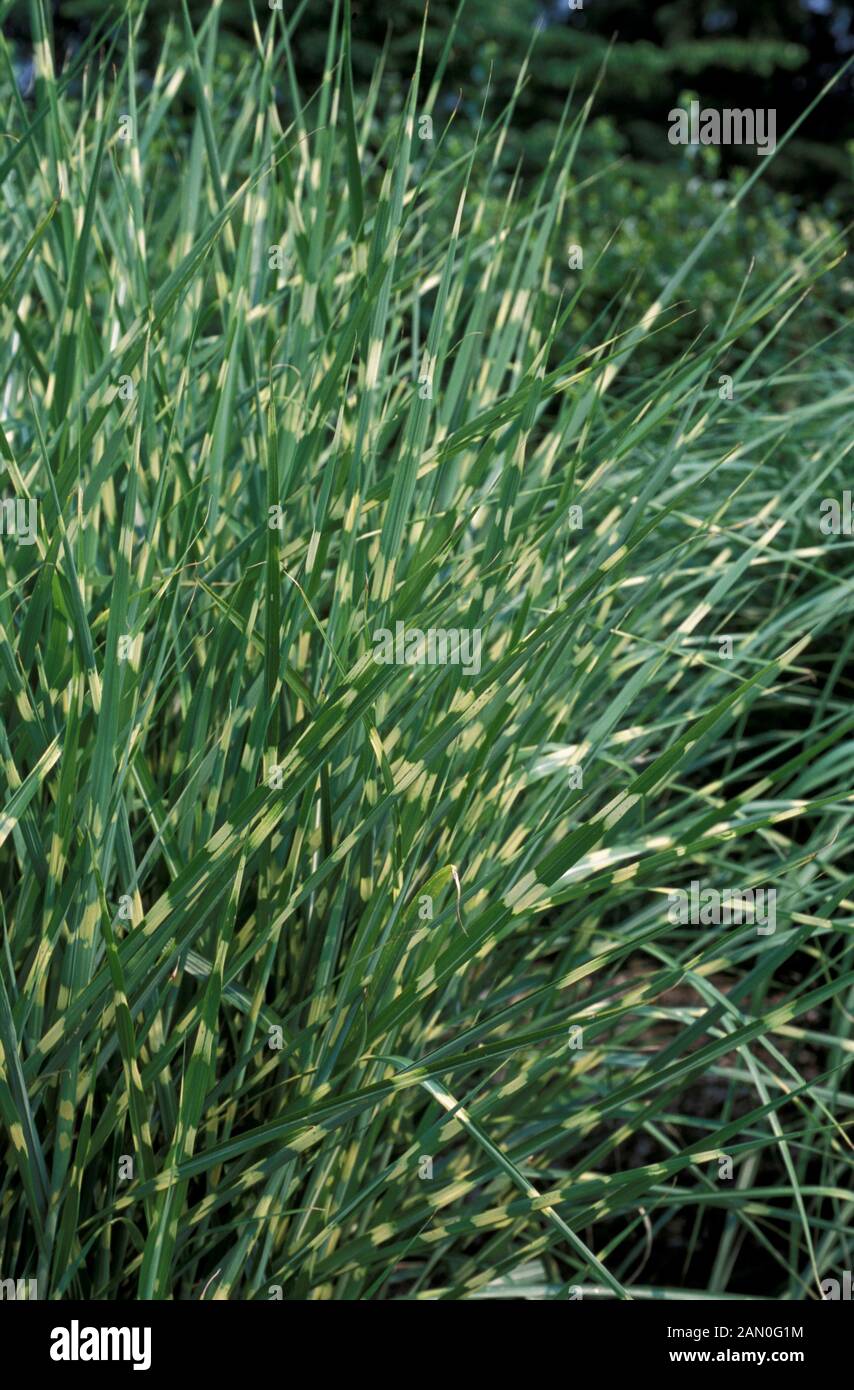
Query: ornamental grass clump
x,y
331,969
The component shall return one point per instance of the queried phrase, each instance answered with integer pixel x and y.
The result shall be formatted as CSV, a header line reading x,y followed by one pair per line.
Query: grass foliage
x,y
230,304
